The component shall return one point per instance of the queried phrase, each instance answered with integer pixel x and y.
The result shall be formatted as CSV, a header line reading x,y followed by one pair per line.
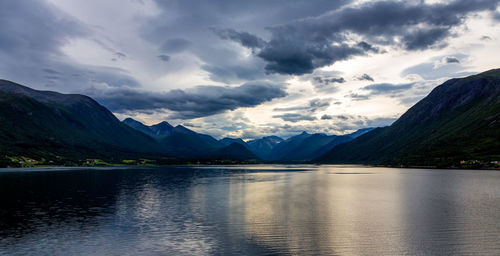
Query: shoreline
x,y
243,164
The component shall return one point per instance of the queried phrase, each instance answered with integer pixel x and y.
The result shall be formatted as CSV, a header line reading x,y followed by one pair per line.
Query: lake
x,y
249,210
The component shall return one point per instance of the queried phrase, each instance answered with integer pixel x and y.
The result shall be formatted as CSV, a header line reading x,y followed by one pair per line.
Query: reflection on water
x,y
253,210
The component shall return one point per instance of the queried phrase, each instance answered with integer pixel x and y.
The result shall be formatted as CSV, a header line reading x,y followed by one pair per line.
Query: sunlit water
x,y
252,210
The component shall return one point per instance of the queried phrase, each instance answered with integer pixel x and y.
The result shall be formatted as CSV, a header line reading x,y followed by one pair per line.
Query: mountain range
x,y
459,121
184,142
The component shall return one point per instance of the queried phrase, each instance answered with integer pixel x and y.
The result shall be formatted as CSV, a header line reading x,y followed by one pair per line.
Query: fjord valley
x,y
457,124
262,127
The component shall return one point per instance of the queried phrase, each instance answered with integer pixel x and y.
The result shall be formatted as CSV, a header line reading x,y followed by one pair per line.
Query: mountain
x,y
334,141
59,126
70,128
302,147
285,147
360,132
159,130
306,147
458,120
138,126
189,144
234,151
178,141
263,147
229,141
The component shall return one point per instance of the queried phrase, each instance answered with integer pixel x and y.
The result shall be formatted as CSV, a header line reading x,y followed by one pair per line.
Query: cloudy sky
x,y
249,68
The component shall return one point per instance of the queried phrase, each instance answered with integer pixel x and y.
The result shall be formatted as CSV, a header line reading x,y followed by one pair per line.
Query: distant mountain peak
x,y
181,128
130,120
273,137
164,123
228,141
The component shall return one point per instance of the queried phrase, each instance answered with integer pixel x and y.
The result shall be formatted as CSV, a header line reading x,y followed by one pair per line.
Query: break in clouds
x,y
152,58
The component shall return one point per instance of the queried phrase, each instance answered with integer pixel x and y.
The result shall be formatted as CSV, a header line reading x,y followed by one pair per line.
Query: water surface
x,y
249,210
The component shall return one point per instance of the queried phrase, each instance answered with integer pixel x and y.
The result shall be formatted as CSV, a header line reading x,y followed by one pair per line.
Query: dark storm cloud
x,y
300,47
294,58
386,88
240,21
32,34
365,77
368,47
195,102
244,38
35,26
423,38
295,117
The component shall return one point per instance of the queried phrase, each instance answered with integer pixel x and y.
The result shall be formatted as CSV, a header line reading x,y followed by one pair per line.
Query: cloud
x,y
368,47
306,113
496,15
327,81
120,55
198,21
244,38
357,97
348,122
234,71
313,106
326,84
326,117
365,77
302,46
195,102
319,105
445,61
164,57
295,117
293,58
439,67
452,59
175,45
32,37
424,38
386,88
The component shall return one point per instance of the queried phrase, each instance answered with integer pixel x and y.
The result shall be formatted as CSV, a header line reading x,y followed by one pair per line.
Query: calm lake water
x,y
249,210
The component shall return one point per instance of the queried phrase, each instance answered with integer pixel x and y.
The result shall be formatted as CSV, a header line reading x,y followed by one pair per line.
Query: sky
x,y
249,69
